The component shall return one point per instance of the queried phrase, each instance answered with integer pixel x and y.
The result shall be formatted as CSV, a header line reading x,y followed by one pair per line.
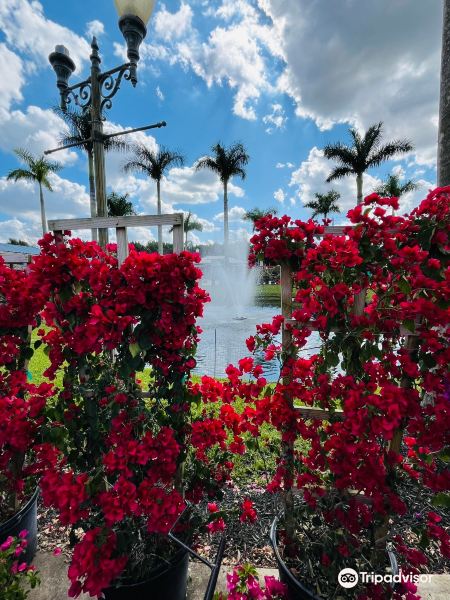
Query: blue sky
x,y
284,77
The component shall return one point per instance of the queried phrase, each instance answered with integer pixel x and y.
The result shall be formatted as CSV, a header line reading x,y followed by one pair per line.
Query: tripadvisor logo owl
x,y
348,578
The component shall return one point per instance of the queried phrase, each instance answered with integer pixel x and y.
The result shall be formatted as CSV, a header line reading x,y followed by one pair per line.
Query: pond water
x,y
222,341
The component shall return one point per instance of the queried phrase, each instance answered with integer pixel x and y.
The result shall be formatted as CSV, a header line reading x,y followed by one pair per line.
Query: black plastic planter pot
x,y
168,582
296,591
26,518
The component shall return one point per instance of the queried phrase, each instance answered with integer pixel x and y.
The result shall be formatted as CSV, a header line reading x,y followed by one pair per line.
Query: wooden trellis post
x,y
286,344
121,224
307,412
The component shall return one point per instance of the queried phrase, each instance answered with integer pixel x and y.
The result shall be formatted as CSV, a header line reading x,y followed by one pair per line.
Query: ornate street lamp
x,y
95,93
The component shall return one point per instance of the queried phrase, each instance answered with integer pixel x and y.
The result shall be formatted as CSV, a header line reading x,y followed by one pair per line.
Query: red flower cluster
x,y
377,387
243,584
115,462
21,403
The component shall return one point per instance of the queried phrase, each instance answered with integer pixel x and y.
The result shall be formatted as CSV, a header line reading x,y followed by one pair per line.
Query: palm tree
x,y
79,131
189,224
154,164
254,214
226,162
365,152
39,168
119,205
393,188
324,204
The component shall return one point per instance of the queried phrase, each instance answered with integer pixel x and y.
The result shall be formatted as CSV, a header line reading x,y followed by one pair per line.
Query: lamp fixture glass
x,y
63,66
136,8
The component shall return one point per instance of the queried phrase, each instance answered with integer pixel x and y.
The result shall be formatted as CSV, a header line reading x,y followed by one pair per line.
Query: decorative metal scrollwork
x,y
109,85
81,95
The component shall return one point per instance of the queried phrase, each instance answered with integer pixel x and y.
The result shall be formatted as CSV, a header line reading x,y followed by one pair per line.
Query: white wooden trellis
x,y
16,258
121,224
309,412
286,284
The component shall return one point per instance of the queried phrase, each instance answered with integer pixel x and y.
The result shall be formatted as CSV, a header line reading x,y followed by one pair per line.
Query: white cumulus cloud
x,y
279,195
94,28
362,62
275,119
28,30
12,78
235,213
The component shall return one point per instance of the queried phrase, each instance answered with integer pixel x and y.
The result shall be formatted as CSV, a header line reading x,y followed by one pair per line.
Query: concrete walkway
x,y
54,583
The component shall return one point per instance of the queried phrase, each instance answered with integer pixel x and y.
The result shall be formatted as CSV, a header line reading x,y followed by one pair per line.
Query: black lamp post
x,y
95,93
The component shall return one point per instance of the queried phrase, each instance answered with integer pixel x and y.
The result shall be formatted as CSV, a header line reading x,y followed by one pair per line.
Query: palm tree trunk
x,y
359,188
43,218
225,217
158,193
443,158
93,203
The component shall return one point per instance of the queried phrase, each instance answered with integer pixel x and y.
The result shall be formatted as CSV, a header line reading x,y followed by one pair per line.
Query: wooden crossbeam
x,y
403,330
114,222
120,224
14,258
310,412
334,230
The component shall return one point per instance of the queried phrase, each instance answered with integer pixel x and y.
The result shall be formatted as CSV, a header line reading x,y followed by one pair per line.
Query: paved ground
x,y
54,581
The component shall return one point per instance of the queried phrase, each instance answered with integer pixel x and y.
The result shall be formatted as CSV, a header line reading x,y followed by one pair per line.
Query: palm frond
x,y
113,144
345,155
393,187
388,151
78,128
226,162
52,167
371,140
136,166
313,205
410,186
152,164
207,162
18,174
46,183
339,173
25,156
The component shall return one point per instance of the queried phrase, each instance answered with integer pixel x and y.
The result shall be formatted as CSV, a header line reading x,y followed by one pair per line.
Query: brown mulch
x,y
249,542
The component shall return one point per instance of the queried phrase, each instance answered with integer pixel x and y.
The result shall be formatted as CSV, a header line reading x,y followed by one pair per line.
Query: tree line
x,y
363,153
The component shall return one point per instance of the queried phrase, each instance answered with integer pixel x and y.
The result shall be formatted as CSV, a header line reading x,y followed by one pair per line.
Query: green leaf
x,y
442,499
409,325
444,455
404,286
332,359
427,361
134,349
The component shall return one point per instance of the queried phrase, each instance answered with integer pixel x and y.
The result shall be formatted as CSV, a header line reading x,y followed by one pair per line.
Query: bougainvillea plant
x,y
16,577
119,460
379,387
244,584
21,403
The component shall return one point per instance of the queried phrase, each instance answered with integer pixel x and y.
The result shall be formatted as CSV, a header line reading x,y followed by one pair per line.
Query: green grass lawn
x,y
254,465
39,363
268,295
